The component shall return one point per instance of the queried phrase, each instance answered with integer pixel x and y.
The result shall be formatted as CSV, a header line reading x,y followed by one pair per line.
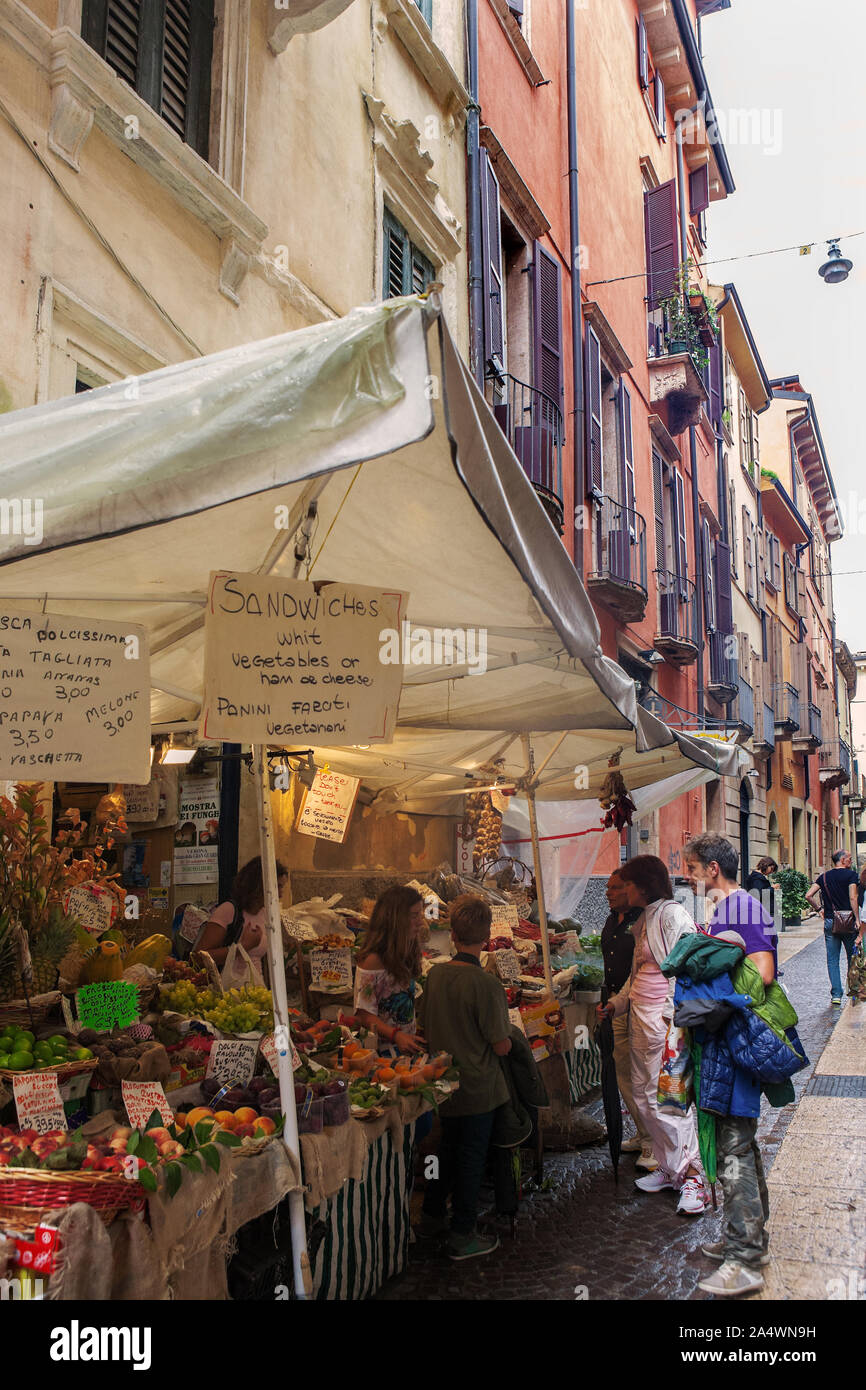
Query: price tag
x,y
110,1004
517,1019
93,907
504,919
269,1052
39,1102
141,1098
331,969
232,1060
508,966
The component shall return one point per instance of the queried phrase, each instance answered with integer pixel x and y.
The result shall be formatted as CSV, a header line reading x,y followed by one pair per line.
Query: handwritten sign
x,y
141,1098
508,966
74,699
331,969
196,837
327,806
504,919
230,1060
269,1052
142,803
39,1102
284,664
92,906
110,1004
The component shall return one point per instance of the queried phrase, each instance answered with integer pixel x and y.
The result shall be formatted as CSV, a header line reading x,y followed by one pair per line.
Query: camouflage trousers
x,y
747,1206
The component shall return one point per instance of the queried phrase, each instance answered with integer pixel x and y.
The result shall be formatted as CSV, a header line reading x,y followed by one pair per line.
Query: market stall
x,y
357,451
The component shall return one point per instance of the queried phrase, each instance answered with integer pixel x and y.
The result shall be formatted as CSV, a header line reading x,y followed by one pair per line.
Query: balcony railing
x,y
618,576
786,708
677,634
723,666
809,734
834,763
743,707
532,424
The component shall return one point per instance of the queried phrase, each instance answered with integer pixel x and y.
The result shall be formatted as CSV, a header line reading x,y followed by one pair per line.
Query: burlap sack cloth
x,y
338,1155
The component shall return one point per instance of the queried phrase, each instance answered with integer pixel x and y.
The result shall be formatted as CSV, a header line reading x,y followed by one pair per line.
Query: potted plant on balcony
x,y
793,887
682,328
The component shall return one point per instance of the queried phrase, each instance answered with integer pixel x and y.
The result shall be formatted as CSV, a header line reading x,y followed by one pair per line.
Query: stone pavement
x,y
590,1238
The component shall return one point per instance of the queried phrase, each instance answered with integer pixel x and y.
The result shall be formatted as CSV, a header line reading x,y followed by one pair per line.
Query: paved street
x,y
590,1233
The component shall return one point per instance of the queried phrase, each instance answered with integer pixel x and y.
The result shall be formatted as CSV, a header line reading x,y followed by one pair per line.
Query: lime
x,y
25,1039
80,1054
42,1049
21,1061
4,1059
58,1038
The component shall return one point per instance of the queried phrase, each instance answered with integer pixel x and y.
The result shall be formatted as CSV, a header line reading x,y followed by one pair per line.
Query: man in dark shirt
x,y
837,891
617,949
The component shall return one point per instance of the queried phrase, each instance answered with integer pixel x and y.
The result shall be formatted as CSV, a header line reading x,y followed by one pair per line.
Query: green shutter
x,y
406,270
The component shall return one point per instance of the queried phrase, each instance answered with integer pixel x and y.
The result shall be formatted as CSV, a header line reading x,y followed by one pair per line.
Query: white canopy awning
x,y
370,433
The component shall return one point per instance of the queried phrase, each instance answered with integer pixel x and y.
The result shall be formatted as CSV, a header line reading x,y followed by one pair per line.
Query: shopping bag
x,y
676,1090
240,969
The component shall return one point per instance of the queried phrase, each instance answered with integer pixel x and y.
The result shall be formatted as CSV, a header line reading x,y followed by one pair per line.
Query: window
x,y
750,567
729,388
790,576
426,8
659,105
163,49
642,54
406,269
709,562
732,503
699,190
515,6
773,561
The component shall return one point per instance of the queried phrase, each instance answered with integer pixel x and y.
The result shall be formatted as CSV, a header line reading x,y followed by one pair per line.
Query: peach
x,y
263,1125
171,1149
246,1115
244,1131
159,1134
201,1112
226,1118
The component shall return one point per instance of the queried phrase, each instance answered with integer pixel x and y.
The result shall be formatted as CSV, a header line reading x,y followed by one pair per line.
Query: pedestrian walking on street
x,y
759,885
617,949
648,998
837,894
711,867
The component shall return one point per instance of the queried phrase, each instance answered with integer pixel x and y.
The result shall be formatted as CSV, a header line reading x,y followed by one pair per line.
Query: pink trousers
x,y
674,1136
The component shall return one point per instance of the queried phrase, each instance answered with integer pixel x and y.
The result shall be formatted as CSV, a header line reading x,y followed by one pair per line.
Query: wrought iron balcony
x,y
764,736
722,684
677,636
743,706
808,737
618,577
834,763
786,709
532,424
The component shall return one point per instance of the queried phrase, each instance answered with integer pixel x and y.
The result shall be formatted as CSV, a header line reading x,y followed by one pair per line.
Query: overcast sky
x,y
801,65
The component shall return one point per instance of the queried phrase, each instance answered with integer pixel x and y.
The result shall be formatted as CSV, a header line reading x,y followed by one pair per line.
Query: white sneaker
x,y
732,1279
693,1198
647,1160
631,1146
655,1181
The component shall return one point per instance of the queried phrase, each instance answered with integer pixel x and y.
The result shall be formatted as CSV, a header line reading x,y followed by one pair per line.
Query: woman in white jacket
x,y
649,996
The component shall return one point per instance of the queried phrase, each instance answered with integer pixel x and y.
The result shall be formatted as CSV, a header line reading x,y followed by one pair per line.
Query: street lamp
x,y
836,268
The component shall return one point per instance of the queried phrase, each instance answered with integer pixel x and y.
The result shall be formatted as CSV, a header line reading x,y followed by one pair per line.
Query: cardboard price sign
x,y
331,969
232,1060
328,805
76,699
269,1052
110,1004
504,919
141,1098
508,966
285,664
39,1102
93,907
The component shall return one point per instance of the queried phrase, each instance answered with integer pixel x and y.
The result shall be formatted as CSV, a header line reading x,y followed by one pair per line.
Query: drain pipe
x,y
693,448
473,199
579,412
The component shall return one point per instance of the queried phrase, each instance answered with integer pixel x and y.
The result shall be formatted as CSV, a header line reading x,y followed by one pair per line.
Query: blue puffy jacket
x,y
755,1047
726,1088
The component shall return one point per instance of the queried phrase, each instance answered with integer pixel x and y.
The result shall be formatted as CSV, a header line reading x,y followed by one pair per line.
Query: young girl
x,y
388,967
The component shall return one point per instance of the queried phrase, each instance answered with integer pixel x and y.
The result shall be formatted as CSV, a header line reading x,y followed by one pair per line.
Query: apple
x,y
118,1145
244,1131
45,1145
160,1135
110,1165
171,1149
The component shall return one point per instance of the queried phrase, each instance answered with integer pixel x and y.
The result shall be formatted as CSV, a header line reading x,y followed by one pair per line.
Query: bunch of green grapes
x,y
244,1010
182,997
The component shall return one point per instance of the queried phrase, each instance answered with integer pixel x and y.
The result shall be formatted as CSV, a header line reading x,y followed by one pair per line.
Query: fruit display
x,y
21,1052
247,1010
173,970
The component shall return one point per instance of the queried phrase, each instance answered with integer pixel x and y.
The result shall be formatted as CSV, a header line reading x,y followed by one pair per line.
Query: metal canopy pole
x,y
536,860
282,1037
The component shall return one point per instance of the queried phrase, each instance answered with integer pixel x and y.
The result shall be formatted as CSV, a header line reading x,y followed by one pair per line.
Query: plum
x,y
210,1086
300,1095
335,1088
269,1096
259,1084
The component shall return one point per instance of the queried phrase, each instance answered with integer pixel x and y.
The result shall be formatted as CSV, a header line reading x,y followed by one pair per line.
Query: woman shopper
x,y
648,996
617,949
242,919
388,967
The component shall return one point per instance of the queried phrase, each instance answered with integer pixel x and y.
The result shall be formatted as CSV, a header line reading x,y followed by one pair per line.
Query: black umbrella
x,y
610,1092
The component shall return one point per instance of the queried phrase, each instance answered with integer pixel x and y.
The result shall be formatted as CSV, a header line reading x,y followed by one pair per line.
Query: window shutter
x,y
642,54
662,245
801,592
800,676
744,430
547,297
395,258
201,28
777,563
758,685
659,513
728,384
699,190
724,600
748,555
680,526
744,657
593,411
715,356
732,535
491,253
659,101
709,577
756,446
627,449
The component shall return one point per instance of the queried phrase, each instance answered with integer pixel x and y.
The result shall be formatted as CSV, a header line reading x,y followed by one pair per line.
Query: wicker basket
x,y
25,1193
63,1069
17,1013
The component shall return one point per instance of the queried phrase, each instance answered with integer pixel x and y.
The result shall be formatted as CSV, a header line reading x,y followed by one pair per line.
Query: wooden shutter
x,y
744,430
548,328
708,565
679,500
744,657
724,598
801,592
715,373
756,445
699,190
777,563
626,450
659,513
662,244
396,257
800,678
748,561
642,53
659,103
732,501
759,681
593,412
491,256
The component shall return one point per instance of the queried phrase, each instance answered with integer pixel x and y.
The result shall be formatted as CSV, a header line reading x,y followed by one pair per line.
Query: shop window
x,y
406,270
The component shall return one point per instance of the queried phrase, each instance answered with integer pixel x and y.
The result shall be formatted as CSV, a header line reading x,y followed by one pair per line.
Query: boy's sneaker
x,y
732,1279
835,1003
430,1226
693,1198
473,1245
647,1160
716,1251
631,1146
655,1181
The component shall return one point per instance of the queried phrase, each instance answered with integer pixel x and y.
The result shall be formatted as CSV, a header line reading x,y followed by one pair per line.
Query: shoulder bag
x,y
844,923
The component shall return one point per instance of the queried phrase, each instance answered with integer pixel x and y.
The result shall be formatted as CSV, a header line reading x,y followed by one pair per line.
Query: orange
x,y
428,1072
246,1115
226,1118
351,1048
201,1112
402,1066
407,1081
385,1074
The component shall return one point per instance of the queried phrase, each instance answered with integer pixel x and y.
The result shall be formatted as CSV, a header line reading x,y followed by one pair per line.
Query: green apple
x,y
25,1039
